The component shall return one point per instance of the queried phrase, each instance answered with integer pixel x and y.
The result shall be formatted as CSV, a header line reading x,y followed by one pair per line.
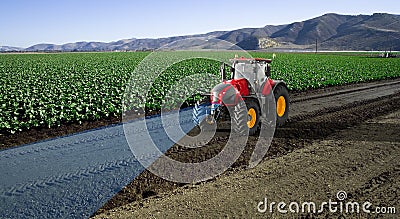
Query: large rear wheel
x,y
247,117
281,94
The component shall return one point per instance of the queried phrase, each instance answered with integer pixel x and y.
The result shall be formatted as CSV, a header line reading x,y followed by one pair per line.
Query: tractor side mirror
x,y
222,70
268,70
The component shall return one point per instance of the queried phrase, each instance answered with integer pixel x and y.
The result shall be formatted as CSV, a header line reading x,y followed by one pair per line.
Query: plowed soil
x,y
352,147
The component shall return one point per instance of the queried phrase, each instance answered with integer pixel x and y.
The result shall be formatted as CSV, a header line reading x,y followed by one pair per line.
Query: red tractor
x,y
246,99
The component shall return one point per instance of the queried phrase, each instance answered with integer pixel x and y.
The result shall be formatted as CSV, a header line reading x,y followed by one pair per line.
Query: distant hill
x,y
121,45
10,49
376,32
331,31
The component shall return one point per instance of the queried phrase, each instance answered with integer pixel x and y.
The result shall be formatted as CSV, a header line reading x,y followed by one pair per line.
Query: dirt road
x,y
338,139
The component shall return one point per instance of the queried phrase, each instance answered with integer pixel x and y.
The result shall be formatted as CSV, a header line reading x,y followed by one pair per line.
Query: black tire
x,y
243,123
281,93
199,112
239,119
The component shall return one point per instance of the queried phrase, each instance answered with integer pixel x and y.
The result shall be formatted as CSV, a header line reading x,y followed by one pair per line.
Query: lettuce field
x,y
47,90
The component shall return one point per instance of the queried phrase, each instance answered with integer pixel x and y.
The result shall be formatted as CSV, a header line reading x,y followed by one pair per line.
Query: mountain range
x,y
378,32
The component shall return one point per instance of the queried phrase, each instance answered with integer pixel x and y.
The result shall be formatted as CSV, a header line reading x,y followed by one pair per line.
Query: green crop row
x,y
40,90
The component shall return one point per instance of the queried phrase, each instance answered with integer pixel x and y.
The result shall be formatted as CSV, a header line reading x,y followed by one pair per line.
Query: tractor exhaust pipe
x,y
223,72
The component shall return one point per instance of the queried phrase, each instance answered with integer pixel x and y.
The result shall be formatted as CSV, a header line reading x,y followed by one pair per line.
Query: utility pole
x,y
391,45
386,52
316,45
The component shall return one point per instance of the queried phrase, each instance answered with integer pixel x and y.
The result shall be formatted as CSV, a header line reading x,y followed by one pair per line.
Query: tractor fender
x,y
277,83
225,94
269,85
267,95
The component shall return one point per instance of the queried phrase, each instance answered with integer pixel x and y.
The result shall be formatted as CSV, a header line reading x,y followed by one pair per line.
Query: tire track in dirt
x,y
19,189
351,90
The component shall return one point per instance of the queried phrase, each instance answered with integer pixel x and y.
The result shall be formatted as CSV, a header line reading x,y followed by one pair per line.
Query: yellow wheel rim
x,y
281,106
252,118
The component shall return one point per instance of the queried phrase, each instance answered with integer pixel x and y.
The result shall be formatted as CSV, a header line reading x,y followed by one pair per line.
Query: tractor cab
x,y
255,71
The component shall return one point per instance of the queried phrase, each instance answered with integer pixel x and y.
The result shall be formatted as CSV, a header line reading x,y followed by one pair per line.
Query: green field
x,y
47,90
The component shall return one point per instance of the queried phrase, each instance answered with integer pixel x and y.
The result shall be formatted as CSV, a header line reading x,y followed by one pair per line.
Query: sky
x,y
24,23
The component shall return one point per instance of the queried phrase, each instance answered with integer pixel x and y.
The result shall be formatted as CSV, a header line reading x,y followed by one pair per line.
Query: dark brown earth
x,y
303,131
362,160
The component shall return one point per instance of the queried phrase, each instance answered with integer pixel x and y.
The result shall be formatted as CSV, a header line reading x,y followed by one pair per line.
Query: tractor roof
x,y
243,59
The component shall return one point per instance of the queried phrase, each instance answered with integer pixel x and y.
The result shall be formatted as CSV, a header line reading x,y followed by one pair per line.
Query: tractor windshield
x,y
251,71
